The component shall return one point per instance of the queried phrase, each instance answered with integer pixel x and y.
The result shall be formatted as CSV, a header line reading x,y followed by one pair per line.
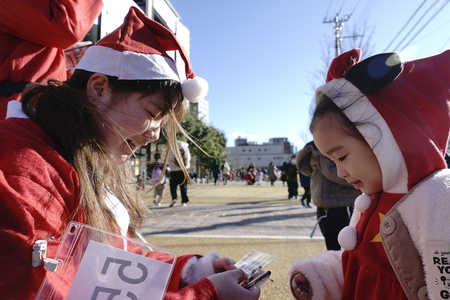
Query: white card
x,y
106,272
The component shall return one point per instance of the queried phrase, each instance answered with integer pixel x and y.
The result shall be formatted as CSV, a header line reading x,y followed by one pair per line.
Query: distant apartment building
x,y
277,151
201,110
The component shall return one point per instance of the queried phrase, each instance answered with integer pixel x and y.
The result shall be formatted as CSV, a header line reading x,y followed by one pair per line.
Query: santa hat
x,y
137,50
402,110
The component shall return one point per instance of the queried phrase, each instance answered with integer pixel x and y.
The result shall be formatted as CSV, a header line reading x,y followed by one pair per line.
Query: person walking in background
x,y
158,179
283,173
250,176
305,182
259,176
215,168
386,125
67,159
272,172
292,178
178,178
333,196
34,35
226,172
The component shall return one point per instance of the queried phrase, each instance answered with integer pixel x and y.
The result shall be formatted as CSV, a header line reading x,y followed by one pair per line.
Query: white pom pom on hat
x,y
194,89
137,50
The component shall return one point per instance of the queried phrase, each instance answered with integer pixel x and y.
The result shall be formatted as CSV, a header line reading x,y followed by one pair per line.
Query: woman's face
x,y
131,123
355,160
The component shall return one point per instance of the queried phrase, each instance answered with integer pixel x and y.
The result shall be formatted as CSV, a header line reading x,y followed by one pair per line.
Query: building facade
x,y
277,151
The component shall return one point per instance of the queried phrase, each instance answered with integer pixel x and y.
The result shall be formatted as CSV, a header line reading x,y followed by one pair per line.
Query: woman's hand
x,y
223,264
300,287
228,285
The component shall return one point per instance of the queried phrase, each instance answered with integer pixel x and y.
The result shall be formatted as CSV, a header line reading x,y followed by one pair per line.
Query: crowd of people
x,y
376,170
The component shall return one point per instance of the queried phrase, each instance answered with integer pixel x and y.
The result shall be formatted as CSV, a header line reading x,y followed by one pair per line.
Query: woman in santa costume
x,y
386,126
65,151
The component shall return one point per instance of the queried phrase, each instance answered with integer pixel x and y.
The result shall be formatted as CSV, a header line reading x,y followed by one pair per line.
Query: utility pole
x,y
338,24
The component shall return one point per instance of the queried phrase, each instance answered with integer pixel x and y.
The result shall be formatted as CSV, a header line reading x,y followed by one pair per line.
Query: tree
x,y
208,142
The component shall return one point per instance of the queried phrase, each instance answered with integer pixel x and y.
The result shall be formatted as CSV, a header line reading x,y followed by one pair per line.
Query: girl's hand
x,y
300,287
223,264
228,285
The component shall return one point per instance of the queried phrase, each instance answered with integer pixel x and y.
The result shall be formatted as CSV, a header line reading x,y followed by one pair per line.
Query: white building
x,y
277,151
201,110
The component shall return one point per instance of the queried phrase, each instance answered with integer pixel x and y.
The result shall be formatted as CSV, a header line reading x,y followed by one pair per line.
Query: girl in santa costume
x,y
64,153
386,126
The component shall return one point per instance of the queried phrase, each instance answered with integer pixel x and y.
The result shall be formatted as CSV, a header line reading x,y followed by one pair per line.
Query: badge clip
x,y
39,256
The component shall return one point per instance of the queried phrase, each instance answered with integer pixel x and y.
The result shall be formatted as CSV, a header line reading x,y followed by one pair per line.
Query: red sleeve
x,y
38,197
203,289
54,23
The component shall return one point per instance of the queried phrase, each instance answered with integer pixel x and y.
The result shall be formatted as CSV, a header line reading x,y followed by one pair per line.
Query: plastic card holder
x,y
95,264
253,261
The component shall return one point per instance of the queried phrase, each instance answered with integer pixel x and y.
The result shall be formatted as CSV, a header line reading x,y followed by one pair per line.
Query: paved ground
x,y
234,210
234,219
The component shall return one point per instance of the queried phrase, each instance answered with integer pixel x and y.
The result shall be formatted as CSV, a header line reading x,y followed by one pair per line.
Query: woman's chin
x,y
121,158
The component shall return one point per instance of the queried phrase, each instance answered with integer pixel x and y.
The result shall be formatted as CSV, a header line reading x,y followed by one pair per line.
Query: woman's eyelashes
x,y
151,114
342,158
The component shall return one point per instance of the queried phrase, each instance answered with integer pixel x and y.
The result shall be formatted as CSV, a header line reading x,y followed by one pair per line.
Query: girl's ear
x,y
97,89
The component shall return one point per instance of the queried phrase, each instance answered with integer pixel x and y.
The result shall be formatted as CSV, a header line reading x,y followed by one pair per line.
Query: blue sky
x,y
263,59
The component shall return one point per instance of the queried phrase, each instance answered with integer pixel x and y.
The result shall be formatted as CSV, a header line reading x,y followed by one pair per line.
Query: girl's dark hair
x,y
326,107
65,113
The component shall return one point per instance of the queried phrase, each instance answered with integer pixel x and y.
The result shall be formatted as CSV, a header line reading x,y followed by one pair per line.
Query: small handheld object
x,y
252,264
258,279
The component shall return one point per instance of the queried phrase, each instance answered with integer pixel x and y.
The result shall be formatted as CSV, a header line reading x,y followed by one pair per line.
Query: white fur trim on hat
x,y
128,65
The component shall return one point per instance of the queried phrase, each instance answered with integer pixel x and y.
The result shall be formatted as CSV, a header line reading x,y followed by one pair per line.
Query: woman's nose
x,y
341,172
151,134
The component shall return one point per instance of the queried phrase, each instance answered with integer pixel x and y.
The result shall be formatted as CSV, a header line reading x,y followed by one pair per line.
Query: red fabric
x,y
342,63
367,265
204,289
416,108
33,36
142,35
39,192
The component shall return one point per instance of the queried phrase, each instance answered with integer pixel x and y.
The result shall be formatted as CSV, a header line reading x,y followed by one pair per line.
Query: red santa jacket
x,y
34,34
39,192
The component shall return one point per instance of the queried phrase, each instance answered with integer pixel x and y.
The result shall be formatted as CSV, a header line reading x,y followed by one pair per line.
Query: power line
x,y
404,26
340,9
416,24
435,30
426,24
328,9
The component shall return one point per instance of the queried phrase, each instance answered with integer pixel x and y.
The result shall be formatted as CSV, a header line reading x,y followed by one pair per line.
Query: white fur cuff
x,y
324,274
198,268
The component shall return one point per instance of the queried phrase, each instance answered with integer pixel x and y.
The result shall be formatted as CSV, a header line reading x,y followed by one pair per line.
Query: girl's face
x,y
355,160
131,123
